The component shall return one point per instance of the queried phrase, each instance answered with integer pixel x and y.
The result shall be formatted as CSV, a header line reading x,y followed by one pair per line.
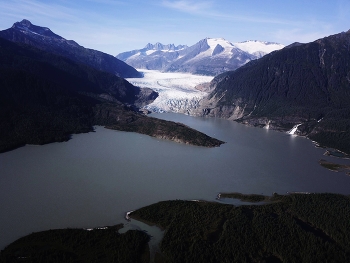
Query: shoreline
x,y
127,215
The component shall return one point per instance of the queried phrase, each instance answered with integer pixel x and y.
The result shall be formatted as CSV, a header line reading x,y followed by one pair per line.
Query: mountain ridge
x,y
306,84
209,56
44,39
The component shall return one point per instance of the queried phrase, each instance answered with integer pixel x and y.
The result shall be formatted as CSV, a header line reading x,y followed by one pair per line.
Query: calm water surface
x,y
93,179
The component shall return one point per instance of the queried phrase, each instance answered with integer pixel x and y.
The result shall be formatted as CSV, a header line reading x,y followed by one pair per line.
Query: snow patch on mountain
x,y
255,47
148,52
177,92
27,30
213,42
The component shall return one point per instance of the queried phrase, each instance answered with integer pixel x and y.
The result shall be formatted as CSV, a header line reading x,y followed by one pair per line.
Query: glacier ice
x,y
177,92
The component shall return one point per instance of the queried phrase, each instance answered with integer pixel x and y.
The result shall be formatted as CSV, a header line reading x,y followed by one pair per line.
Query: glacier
x,y
177,91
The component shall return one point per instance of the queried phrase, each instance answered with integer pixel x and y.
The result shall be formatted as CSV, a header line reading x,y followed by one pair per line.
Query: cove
x,y
94,178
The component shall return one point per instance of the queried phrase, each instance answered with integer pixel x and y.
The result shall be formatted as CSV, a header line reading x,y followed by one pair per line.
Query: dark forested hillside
x,y
293,228
304,83
44,39
45,98
67,74
79,245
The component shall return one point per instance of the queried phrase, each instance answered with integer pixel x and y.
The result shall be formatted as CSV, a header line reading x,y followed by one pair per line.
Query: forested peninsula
x,y
46,97
301,227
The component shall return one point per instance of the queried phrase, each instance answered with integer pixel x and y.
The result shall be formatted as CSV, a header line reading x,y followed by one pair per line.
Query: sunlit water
x,y
93,179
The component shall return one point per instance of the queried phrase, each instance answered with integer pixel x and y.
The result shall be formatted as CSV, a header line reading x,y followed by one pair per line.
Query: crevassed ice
x,y
177,92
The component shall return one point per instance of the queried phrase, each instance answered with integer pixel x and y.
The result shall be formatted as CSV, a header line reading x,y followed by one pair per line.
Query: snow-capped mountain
x,y
156,56
258,48
164,48
210,56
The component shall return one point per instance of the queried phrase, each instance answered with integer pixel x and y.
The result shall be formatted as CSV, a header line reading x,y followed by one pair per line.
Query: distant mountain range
x,y
302,84
150,49
44,39
210,56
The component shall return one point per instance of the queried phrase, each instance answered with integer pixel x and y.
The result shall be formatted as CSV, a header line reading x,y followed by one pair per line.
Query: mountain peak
x,y
160,46
213,42
216,38
26,23
27,27
43,38
23,24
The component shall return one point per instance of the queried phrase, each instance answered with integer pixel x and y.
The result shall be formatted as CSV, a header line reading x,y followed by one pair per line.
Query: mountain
x,y
303,84
258,48
156,56
150,49
210,56
43,38
45,98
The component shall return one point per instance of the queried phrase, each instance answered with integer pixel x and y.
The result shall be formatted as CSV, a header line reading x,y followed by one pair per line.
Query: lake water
x,y
93,179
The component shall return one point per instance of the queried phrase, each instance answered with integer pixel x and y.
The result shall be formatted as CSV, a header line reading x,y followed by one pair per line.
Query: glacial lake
x,y
95,178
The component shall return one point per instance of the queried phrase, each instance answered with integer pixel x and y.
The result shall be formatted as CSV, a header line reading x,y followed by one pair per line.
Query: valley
x,y
116,119
93,179
45,96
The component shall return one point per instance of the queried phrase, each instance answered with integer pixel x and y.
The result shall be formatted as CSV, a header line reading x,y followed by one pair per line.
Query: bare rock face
x,y
209,106
145,97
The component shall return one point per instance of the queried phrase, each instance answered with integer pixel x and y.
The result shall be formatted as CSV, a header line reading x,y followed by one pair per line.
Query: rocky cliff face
x,y
43,38
307,84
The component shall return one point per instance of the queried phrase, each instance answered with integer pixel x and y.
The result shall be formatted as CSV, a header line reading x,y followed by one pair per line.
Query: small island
x,y
335,167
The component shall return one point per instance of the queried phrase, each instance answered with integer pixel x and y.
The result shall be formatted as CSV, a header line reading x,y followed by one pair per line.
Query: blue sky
x,y
115,26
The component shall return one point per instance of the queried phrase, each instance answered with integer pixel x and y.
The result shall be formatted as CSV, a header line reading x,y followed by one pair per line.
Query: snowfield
x,y
257,47
177,92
